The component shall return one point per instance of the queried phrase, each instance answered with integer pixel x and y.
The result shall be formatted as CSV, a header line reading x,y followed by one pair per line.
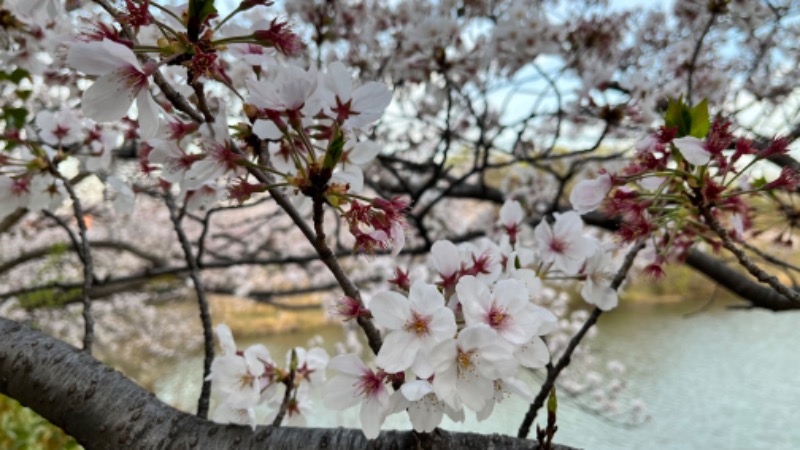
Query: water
x,y
720,379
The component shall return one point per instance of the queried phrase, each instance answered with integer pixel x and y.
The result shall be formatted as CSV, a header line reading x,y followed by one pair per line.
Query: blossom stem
x,y
327,257
287,396
166,11
227,18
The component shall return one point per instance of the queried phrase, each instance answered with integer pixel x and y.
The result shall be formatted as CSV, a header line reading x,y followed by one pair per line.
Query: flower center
x,y
465,363
497,316
369,384
558,246
418,324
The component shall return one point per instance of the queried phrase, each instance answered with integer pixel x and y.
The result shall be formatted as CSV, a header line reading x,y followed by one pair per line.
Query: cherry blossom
x,y
563,243
289,91
354,159
60,127
220,157
121,81
357,108
358,384
505,308
446,259
599,273
587,195
417,324
424,408
466,367
510,219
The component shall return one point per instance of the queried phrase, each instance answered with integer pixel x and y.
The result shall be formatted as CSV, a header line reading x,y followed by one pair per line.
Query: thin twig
x,y
287,396
759,273
202,301
554,371
325,254
696,53
85,253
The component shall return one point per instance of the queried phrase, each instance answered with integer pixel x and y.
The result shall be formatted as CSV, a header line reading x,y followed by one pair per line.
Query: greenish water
x,y
719,379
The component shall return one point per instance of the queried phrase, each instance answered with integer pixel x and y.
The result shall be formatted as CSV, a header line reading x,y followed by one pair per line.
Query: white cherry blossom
x,y
511,216
121,81
358,384
467,366
506,309
563,243
59,127
597,287
692,150
357,108
417,324
290,90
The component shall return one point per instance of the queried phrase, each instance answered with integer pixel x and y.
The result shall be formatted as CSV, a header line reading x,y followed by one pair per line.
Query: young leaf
x,y
678,115
700,121
335,151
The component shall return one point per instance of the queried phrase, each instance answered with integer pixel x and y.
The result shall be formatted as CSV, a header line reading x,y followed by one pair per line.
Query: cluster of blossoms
x,y
683,179
463,341
251,388
459,343
304,128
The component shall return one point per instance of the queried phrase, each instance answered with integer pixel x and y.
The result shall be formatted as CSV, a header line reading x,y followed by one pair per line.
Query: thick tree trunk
x,y
104,410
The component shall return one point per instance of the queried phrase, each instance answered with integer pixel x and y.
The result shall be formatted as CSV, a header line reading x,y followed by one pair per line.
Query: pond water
x,y
719,379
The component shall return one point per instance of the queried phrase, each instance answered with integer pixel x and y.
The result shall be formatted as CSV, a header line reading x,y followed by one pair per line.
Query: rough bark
x,y
104,410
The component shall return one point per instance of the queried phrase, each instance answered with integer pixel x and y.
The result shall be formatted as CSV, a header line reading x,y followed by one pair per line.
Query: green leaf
x,y
700,120
201,10
335,151
16,76
678,115
59,249
293,361
15,117
759,182
552,401
24,94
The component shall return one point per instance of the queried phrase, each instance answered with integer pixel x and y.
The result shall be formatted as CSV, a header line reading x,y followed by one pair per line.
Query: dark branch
x,y
101,408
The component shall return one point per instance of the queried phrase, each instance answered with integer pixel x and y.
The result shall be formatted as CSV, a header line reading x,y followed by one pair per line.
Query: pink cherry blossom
x,y
587,195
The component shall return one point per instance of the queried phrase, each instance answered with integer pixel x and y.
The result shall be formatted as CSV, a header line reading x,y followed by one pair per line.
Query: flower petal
x,y
693,150
109,98
148,114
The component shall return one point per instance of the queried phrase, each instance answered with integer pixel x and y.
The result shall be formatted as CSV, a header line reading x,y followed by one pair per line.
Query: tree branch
x,y
102,409
566,357
205,315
